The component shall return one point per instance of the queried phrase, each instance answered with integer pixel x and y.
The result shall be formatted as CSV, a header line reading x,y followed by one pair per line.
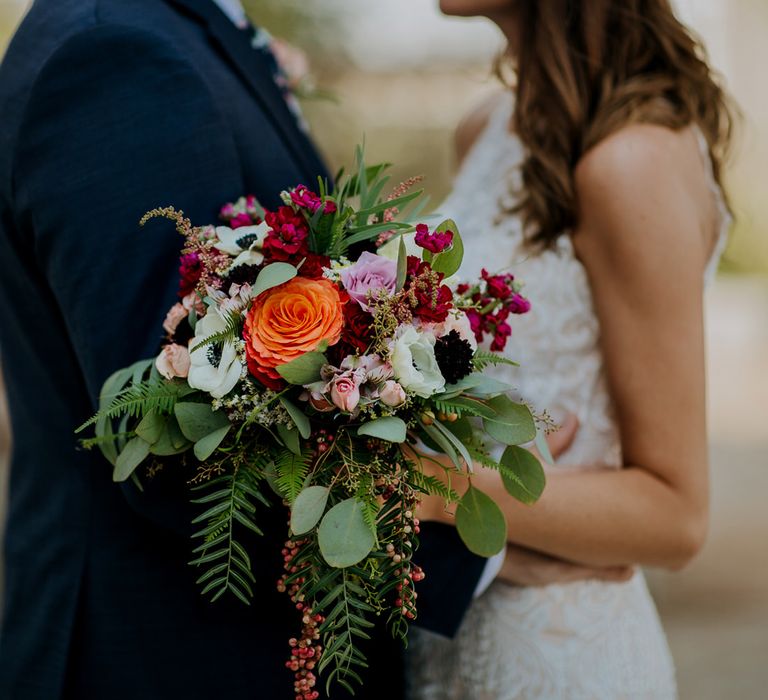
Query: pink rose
x,y
392,394
193,301
174,317
345,391
370,276
173,361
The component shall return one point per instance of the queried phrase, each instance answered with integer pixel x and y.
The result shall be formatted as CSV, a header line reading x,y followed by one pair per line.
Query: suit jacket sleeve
x,y
118,123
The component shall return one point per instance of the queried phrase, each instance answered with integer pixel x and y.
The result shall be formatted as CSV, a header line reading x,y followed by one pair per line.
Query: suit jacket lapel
x,y
256,73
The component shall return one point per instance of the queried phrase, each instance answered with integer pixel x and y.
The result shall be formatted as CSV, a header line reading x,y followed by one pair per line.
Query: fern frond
x,y
140,399
291,471
229,501
431,485
484,359
233,331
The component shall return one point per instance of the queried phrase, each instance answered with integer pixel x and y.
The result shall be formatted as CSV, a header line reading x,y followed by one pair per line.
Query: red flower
x,y
433,299
518,304
356,333
288,237
313,266
262,375
190,271
435,242
306,199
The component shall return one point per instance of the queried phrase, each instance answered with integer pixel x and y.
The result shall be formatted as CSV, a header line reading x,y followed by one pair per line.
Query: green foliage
x,y
481,523
297,416
344,537
197,420
305,369
233,331
391,429
273,275
291,472
133,454
431,485
345,624
513,423
484,359
230,502
522,474
402,265
308,508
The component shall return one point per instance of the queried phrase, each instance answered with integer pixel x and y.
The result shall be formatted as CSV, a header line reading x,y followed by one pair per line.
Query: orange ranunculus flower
x,y
288,321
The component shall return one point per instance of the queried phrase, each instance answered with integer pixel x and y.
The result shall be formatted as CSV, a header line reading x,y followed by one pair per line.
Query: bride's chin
x,y
474,8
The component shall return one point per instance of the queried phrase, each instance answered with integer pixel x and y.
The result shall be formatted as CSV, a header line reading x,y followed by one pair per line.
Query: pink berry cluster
x,y
306,650
493,300
401,554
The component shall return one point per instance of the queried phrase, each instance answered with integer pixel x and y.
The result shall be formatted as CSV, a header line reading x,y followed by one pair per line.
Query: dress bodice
x,y
557,343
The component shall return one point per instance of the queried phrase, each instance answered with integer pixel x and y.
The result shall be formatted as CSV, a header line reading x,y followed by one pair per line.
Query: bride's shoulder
x,y
475,122
637,155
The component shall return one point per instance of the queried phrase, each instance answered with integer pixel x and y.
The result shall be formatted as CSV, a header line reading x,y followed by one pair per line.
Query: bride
x,y
597,181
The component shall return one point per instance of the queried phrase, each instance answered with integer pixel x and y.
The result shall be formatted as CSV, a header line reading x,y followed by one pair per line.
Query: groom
x,y
110,108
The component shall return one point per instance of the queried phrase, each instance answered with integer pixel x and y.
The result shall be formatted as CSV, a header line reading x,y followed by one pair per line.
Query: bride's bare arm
x,y
644,236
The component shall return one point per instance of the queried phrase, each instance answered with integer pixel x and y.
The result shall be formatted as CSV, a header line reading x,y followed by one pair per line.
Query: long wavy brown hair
x,y
586,68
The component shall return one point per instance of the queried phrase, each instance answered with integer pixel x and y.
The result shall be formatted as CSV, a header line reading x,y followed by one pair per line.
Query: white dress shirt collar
x,y
235,11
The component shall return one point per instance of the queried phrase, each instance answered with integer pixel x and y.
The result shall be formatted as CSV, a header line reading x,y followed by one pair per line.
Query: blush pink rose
x,y
392,394
345,391
175,316
370,276
173,361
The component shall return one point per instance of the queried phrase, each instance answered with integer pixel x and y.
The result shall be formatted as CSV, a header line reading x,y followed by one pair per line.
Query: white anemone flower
x,y
412,355
238,241
214,368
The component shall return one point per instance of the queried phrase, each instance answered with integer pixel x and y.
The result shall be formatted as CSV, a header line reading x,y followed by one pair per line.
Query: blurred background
x,y
402,76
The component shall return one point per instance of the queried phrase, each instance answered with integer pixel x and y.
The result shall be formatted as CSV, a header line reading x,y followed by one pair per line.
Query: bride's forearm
x,y
606,518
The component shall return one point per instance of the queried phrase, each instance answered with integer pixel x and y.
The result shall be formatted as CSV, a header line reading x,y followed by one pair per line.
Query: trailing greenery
x,y
291,472
230,502
484,359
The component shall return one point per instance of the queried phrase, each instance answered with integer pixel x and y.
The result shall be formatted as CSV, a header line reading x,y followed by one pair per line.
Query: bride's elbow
x,y
691,536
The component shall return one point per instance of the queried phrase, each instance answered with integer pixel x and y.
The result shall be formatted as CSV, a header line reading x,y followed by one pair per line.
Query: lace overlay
x,y
579,641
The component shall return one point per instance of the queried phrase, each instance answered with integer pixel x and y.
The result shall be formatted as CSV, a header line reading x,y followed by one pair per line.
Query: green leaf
x,y
543,447
206,446
171,441
402,265
344,538
443,444
477,385
290,438
308,508
449,261
152,426
458,445
298,417
523,475
514,424
305,369
391,429
197,420
134,453
272,276
481,523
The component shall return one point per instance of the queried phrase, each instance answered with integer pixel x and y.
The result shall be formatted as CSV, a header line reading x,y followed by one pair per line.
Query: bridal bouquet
x,y
296,363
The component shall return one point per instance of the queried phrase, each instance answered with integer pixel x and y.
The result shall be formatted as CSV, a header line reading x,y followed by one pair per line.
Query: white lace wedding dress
x,y
578,641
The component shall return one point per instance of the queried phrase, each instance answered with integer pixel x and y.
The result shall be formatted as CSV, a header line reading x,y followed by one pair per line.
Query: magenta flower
x,y
306,199
435,242
370,276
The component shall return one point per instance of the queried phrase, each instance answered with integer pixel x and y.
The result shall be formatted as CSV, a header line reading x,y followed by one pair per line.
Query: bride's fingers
x,y
560,440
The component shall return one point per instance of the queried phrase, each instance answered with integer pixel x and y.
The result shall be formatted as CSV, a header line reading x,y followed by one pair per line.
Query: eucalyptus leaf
x,y
513,425
134,453
305,369
308,508
444,444
206,446
449,261
343,536
298,417
197,420
481,523
272,276
391,429
457,444
290,438
522,474
171,441
478,385
151,427
543,447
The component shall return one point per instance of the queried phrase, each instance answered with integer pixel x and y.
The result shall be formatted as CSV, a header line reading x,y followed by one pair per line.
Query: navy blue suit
x,y
109,108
